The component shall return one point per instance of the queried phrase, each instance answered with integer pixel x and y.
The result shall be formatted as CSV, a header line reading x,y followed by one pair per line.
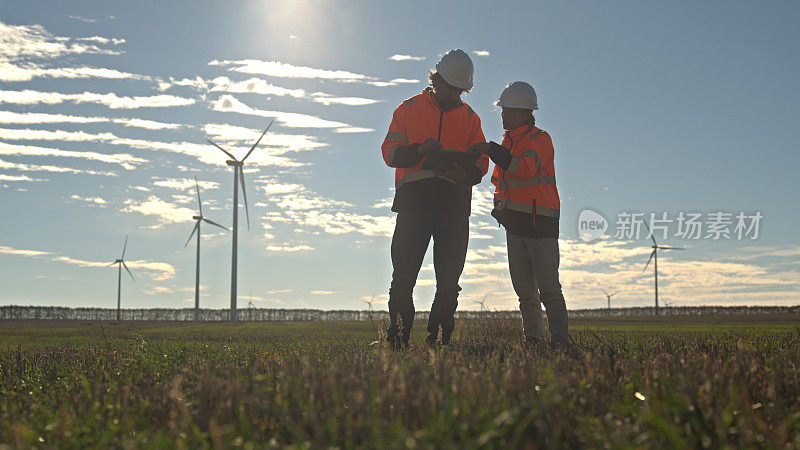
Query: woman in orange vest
x,y
431,203
526,203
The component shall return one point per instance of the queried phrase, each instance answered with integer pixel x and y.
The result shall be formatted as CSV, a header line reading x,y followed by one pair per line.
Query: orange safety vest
x,y
420,118
529,184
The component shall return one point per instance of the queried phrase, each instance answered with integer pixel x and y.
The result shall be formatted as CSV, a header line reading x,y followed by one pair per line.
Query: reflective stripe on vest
x,y
516,160
526,208
397,136
414,176
532,181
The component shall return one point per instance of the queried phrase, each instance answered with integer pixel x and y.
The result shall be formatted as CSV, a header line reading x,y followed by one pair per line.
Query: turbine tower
x,y
654,258
199,218
608,296
120,264
238,178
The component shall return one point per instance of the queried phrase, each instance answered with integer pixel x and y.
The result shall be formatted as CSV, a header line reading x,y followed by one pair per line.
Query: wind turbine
x,y
238,177
608,296
482,303
199,218
369,303
654,256
120,264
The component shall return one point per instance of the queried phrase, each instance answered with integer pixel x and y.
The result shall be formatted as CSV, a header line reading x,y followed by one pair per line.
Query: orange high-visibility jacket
x,y
420,118
529,184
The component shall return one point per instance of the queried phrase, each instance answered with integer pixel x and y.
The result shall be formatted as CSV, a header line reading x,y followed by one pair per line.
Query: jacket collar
x,y
521,131
428,92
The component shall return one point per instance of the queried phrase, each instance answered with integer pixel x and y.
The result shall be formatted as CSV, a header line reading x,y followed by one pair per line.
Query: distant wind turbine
x,y
608,296
238,178
369,303
654,256
198,219
120,264
482,303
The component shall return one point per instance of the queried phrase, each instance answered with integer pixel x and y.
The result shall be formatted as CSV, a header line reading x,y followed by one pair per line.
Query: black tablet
x,y
449,157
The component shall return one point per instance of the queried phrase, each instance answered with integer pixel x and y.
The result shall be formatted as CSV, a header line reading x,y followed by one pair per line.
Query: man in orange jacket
x,y
431,203
527,204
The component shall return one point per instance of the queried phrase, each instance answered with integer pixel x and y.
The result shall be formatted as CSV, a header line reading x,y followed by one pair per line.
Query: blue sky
x,y
661,107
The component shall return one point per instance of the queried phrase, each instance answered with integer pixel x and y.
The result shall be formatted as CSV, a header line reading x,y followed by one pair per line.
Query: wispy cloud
x,y
406,58
165,212
125,160
322,292
111,100
102,40
82,19
328,99
481,52
50,168
94,200
228,103
27,52
36,118
288,248
394,82
18,252
286,70
185,184
279,291
12,72
268,155
147,124
223,133
158,271
18,42
263,87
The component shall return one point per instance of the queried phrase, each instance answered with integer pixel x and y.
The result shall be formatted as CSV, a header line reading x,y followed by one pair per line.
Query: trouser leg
x,y
523,279
412,233
545,257
450,240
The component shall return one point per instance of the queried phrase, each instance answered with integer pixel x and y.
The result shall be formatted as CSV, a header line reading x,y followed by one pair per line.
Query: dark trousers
x,y
412,233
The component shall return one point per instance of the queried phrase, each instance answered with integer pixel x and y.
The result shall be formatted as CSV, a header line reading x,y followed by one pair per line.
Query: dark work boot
x,y
394,341
430,340
532,342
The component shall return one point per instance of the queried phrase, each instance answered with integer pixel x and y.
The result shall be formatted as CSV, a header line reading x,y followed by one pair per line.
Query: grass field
x,y
713,381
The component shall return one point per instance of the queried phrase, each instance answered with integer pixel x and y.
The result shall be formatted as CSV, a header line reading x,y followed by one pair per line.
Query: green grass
x,y
666,382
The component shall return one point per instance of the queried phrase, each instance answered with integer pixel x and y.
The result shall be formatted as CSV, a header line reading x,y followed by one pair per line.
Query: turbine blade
x,y
648,261
244,195
650,233
259,140
111,264
129,271
196,226
604,291
124,246
223,150
215,223
672,248
615,293
199,203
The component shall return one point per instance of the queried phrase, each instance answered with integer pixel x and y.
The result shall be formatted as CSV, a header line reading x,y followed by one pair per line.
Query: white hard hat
x,y
456,68
518,94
